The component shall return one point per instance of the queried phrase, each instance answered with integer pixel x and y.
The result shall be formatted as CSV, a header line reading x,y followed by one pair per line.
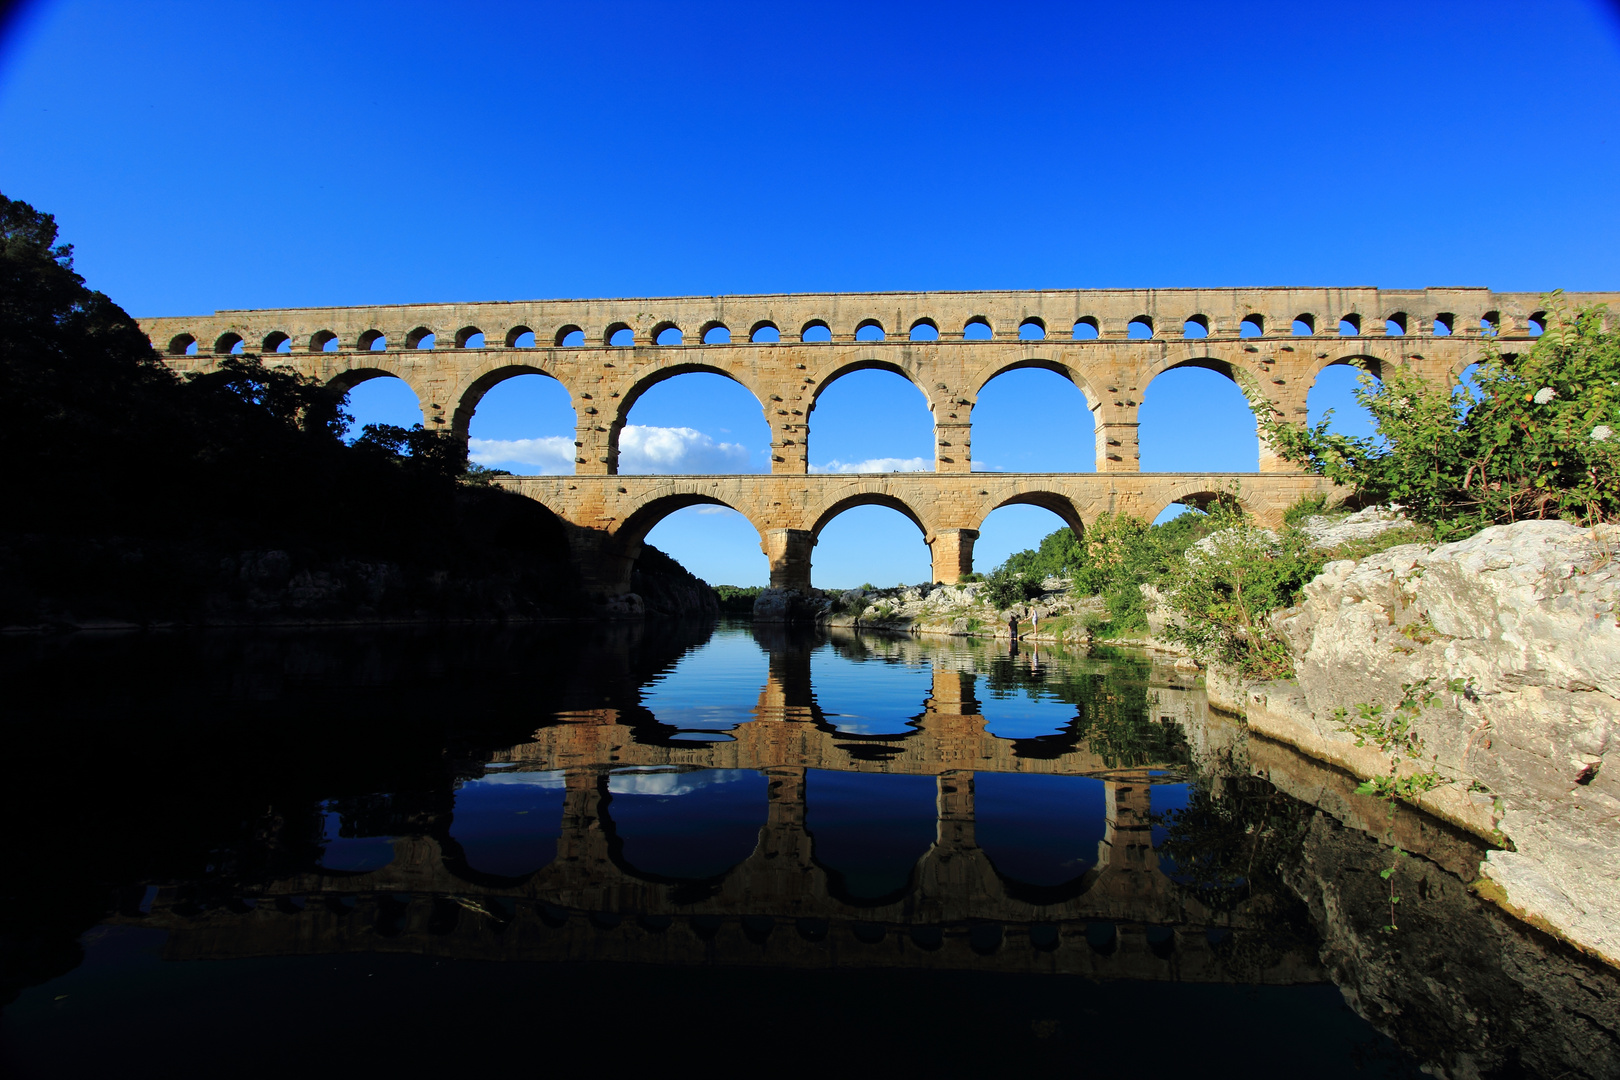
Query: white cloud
x,y
550,456
550,780
665,450
642,449
667,783
876,465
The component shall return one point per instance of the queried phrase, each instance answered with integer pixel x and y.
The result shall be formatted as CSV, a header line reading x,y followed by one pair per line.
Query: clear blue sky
x,y
218,155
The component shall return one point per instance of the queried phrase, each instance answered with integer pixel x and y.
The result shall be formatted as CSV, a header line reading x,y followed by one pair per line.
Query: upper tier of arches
x,y
1170,314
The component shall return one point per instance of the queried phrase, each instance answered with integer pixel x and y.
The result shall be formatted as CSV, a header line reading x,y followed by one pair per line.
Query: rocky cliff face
x,y
1526,615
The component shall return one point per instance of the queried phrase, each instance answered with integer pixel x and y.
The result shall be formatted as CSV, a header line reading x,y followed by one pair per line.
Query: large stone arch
x,y
645,379
380,366
1360,358
873,495
989,372
1199,494
490,374
849,364
1061,505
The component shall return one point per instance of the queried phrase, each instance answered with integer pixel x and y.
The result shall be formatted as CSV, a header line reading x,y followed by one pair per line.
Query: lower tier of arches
x,y
609,516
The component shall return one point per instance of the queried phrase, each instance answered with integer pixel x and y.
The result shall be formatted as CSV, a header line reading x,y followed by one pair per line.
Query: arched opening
x,y
815,330
1537,324
870,829
1395,325
1139,328
569,337
716,543
924,330
870,419
1335,388
870,330
1033,419
1252,326
887,700
1350,326
277,342
1195,327
377,397
372,341
1196,419
182,345
870,543
323,341
1018,531
977,329
711,690
508,821
620,336
1443,322
694,421
1490,323
421,338
1039,830
716,333
686,824
469,337
1304,325
668,334
1467,389
1196,503
1085,329
1032,329
524,423
228,343
765,333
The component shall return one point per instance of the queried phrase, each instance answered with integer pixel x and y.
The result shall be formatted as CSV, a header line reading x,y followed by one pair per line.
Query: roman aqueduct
x,y
787,349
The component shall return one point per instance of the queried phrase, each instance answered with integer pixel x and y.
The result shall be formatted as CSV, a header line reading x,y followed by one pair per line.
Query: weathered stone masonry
x,y
1444,332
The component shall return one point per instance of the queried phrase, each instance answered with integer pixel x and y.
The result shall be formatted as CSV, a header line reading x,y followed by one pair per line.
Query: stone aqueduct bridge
x,y
769,345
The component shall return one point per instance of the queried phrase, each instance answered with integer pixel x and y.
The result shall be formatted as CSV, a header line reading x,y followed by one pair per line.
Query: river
x,y
758,847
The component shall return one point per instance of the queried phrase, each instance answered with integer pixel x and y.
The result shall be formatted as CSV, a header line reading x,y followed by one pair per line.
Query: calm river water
x,y
760,848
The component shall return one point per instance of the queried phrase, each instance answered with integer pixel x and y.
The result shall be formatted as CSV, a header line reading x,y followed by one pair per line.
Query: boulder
x,y
1525,616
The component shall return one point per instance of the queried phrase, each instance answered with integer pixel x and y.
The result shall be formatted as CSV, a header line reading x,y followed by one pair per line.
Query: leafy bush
x,y
1005,589
1225,589
737,599
1537,436
1305,508
1060,555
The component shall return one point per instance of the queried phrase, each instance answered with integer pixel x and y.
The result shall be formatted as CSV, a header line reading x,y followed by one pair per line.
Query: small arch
x,y
815,330
1350,325
182,345
1140,328
1490,323
1085,329
620,335
228,342
1395,325
1443,322
1252,326
372,341
764,332
715,333
667,333
869,330
977,329
469,337
1032,329
1304,325
421,338
323,341
277,342
925,330
1536,324
1196,327
569,336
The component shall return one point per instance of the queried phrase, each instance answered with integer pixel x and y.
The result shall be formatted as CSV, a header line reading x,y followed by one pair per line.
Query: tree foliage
x,y
1537,435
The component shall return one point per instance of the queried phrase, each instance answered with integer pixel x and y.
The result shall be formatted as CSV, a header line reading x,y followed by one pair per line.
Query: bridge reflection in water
x,y
785,840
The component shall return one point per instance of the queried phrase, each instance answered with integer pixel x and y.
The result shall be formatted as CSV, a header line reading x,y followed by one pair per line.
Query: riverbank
x,y
1514,633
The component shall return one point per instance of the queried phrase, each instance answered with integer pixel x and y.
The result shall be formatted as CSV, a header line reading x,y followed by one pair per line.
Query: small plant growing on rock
x,y
1395,733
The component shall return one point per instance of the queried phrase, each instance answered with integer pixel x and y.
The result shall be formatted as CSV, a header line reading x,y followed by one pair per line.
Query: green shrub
x,y
1005,589
1536,436
1305,508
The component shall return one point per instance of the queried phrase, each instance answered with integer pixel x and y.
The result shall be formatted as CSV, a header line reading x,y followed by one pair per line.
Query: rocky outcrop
x,y
1523,618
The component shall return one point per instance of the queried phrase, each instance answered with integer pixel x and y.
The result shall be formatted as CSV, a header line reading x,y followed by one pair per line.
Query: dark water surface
x,y
252,853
